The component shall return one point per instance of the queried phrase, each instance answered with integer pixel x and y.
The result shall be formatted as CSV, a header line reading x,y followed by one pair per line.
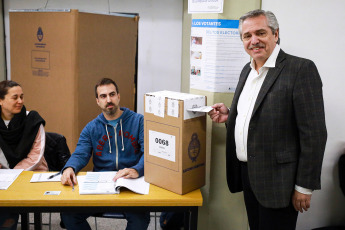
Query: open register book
x,y
102,183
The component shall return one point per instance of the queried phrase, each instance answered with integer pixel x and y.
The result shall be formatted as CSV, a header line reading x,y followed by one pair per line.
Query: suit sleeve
x,y
310,119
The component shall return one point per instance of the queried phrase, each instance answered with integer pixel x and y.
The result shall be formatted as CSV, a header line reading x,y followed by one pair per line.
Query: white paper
x,y
173,108
100,177
202,109
102,183
217,56
193,103
133,185
8,176
162,145
173,98
205,6
159,106
149,100
43,177
52,192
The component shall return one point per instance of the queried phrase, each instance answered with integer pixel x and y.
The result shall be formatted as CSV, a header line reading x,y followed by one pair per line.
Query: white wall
x,y
314,29
160,36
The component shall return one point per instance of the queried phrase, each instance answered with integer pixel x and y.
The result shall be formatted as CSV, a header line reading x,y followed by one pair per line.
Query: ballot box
x,y
175,141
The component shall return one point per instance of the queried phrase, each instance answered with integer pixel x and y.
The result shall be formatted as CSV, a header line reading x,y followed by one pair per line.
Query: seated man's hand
x,y
68,177
126,173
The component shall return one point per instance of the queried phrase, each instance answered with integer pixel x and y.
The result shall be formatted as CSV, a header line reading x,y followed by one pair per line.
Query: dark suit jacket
x,y
287,132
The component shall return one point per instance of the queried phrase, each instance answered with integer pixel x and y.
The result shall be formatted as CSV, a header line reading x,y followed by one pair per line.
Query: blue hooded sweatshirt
x,y
113,148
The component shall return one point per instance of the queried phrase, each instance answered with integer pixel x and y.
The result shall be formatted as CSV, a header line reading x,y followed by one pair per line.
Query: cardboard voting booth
x,y
175,141
58,57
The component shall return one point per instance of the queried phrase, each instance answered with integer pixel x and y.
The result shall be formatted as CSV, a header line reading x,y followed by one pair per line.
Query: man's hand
x,y
301,201
68,177
126,173
219,114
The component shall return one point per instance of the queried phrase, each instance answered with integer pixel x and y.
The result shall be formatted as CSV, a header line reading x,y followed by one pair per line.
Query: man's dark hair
x,y
105,81
4,86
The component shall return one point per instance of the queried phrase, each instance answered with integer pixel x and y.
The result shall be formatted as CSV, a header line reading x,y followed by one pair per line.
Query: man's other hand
x,y
68,177
301,201
219,114
126,173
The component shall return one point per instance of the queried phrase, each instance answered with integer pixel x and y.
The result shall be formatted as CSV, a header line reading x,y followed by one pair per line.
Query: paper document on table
x,y
138,185
8,176
102,183
203,109
44,177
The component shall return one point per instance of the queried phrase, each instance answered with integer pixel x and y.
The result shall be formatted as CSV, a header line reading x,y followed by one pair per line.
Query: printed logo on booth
x,y
194,147
40,34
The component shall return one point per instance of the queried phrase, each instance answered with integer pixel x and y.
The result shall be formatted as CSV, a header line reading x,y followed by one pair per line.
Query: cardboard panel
x,y
43,62
194,154
171,162
58,57
107,48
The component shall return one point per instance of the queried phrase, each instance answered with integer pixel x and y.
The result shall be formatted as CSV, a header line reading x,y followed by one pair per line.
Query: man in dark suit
x,y
276,132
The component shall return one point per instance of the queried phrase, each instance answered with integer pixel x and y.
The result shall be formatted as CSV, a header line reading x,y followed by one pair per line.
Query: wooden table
x,y
24,197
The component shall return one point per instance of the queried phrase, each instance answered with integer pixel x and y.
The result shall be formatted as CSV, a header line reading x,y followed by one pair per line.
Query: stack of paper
x,y
8,176
45,177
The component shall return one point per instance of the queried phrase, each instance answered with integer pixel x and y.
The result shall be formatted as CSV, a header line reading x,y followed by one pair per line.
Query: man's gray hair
x,y
271,20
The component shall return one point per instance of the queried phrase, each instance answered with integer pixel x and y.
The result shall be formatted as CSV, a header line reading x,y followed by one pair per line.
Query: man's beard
x,y
111,111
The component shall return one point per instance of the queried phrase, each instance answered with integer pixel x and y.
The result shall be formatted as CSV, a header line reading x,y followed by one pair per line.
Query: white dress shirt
x,y
247,100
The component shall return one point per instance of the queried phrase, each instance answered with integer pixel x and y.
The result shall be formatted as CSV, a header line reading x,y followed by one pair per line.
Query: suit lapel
x,y
241,83
271,77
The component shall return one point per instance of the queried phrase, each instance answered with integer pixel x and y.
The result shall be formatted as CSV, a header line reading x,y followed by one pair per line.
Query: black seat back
x,y
56,151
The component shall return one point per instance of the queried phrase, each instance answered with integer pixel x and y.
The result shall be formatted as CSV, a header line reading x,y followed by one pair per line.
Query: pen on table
x,y
72,186
54,175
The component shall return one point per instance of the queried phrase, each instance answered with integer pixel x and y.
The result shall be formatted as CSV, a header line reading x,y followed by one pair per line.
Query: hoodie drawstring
x,y
123,146
106,128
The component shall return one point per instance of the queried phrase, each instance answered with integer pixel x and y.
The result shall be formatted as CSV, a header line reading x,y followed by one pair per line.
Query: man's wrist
x,y
305,191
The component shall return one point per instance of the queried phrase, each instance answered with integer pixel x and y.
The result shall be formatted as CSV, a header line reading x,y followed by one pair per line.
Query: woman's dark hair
x,y
5,85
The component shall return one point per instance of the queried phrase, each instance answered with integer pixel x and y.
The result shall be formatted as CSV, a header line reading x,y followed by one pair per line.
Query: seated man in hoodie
x,y
116,141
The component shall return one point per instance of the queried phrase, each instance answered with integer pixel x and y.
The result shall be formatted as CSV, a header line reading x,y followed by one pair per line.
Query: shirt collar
x,y
271,61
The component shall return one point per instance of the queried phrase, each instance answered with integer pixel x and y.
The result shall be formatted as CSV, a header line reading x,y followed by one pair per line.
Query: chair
x,y
56,154
118,215
56,151
341,165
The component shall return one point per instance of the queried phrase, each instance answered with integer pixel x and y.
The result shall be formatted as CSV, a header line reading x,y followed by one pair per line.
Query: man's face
x,y
258,39
108,99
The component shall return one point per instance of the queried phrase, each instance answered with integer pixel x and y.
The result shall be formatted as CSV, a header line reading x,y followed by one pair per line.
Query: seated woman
x,y
22,138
